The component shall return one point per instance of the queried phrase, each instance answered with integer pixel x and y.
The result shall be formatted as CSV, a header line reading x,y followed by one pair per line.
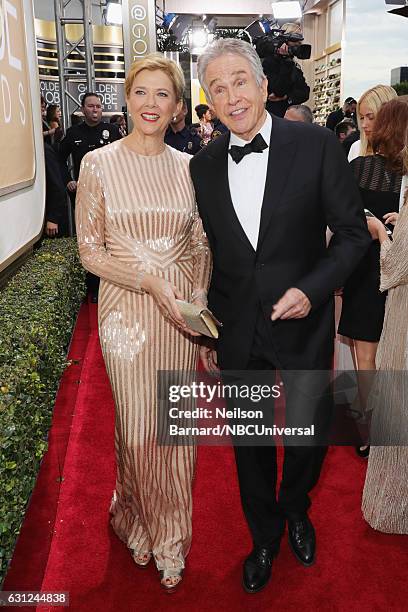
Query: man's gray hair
x,y
220,47
304,111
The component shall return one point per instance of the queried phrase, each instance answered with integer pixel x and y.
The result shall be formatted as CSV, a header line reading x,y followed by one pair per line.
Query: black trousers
x,y
265,511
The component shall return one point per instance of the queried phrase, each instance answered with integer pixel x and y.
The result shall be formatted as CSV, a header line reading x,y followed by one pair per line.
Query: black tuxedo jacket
x,y
309,186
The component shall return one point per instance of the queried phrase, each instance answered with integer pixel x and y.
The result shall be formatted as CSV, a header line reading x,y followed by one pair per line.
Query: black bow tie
x,y
257,145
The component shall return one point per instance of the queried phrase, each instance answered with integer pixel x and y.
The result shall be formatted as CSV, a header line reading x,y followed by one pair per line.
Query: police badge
x,y
105,137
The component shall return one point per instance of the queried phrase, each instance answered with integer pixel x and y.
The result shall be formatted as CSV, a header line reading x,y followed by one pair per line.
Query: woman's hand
x,y
376,229
165,295
391,218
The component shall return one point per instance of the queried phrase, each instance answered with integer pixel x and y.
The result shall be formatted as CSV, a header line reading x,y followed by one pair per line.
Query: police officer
x,y
181,137
88,135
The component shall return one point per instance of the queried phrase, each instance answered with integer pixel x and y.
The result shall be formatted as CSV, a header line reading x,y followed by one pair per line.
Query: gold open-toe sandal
x,y
171,578
142,559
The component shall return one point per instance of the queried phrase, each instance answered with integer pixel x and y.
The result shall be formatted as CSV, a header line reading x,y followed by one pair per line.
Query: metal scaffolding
x,y
69,51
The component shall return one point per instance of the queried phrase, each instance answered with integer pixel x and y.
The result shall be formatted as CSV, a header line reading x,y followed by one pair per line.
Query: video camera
x,y
269,44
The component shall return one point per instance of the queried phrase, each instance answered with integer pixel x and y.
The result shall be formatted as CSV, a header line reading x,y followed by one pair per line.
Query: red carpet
x,y
357,568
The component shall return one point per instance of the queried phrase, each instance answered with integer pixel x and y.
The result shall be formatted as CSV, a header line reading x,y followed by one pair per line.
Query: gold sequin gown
x,y
385,495
137,214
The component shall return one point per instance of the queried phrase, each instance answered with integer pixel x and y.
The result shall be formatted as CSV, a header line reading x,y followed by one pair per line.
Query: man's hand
x,y
71,186
294,304
209,358
51,229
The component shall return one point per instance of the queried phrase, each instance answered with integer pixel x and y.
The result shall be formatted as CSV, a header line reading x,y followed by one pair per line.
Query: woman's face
x,y
367,118
152,102
207,115
58,112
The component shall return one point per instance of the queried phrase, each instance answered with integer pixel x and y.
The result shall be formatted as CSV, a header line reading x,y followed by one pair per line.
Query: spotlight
x,y
178,25
210,23
199,38
403,11
168,20
287,10
114,15
258,28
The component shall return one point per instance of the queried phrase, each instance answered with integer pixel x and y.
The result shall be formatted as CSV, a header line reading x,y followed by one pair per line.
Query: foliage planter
x,y
38,310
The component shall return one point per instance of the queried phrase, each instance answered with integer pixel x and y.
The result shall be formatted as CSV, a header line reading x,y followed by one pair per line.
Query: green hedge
x,y
401,88
38,309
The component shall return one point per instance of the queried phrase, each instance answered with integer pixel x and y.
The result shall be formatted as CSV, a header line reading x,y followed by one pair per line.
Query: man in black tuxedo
x,y
266,193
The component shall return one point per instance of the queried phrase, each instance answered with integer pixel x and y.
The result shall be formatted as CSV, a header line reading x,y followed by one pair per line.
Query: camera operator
x,y
286,83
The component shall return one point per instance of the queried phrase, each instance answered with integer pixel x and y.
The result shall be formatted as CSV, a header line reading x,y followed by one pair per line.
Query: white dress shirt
x,y
354,150
247,183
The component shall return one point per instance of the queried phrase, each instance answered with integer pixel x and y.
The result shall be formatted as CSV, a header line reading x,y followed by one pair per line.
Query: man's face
x,y
92,110
350,109
237,100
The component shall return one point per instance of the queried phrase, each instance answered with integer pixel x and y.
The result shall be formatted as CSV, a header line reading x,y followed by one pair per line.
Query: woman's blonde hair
x,y
374,98
156,61
292,28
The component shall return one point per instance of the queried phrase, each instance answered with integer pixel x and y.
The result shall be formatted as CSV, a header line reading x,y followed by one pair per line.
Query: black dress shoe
x,y
302,539
257,569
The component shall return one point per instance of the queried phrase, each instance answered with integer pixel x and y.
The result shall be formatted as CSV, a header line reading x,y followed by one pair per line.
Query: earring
x,y
174,117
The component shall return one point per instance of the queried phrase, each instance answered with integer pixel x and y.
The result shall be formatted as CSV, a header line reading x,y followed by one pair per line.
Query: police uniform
x,y
186,140
82,138
79,140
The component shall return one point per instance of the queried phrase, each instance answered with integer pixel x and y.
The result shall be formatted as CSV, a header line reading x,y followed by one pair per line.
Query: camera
x,y
270,43
286,82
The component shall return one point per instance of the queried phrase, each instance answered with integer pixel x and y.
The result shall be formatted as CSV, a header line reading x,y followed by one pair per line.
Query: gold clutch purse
x,y
199,319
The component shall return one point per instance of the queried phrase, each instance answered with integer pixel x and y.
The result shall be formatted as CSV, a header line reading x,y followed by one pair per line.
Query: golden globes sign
x,y
22,174
139,29
17,153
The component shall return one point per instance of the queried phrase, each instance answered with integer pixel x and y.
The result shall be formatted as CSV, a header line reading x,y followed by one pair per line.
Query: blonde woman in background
x,y
367,108
379,177
139,230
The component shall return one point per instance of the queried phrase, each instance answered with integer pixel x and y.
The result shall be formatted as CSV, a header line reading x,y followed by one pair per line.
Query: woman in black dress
x,y
379,177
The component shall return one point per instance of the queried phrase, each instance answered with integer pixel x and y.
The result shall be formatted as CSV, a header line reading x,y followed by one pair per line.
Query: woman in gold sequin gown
x,y
385,495
139,230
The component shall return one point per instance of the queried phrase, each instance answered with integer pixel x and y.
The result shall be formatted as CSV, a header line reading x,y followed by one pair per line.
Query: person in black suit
x,y
266,193
56,209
